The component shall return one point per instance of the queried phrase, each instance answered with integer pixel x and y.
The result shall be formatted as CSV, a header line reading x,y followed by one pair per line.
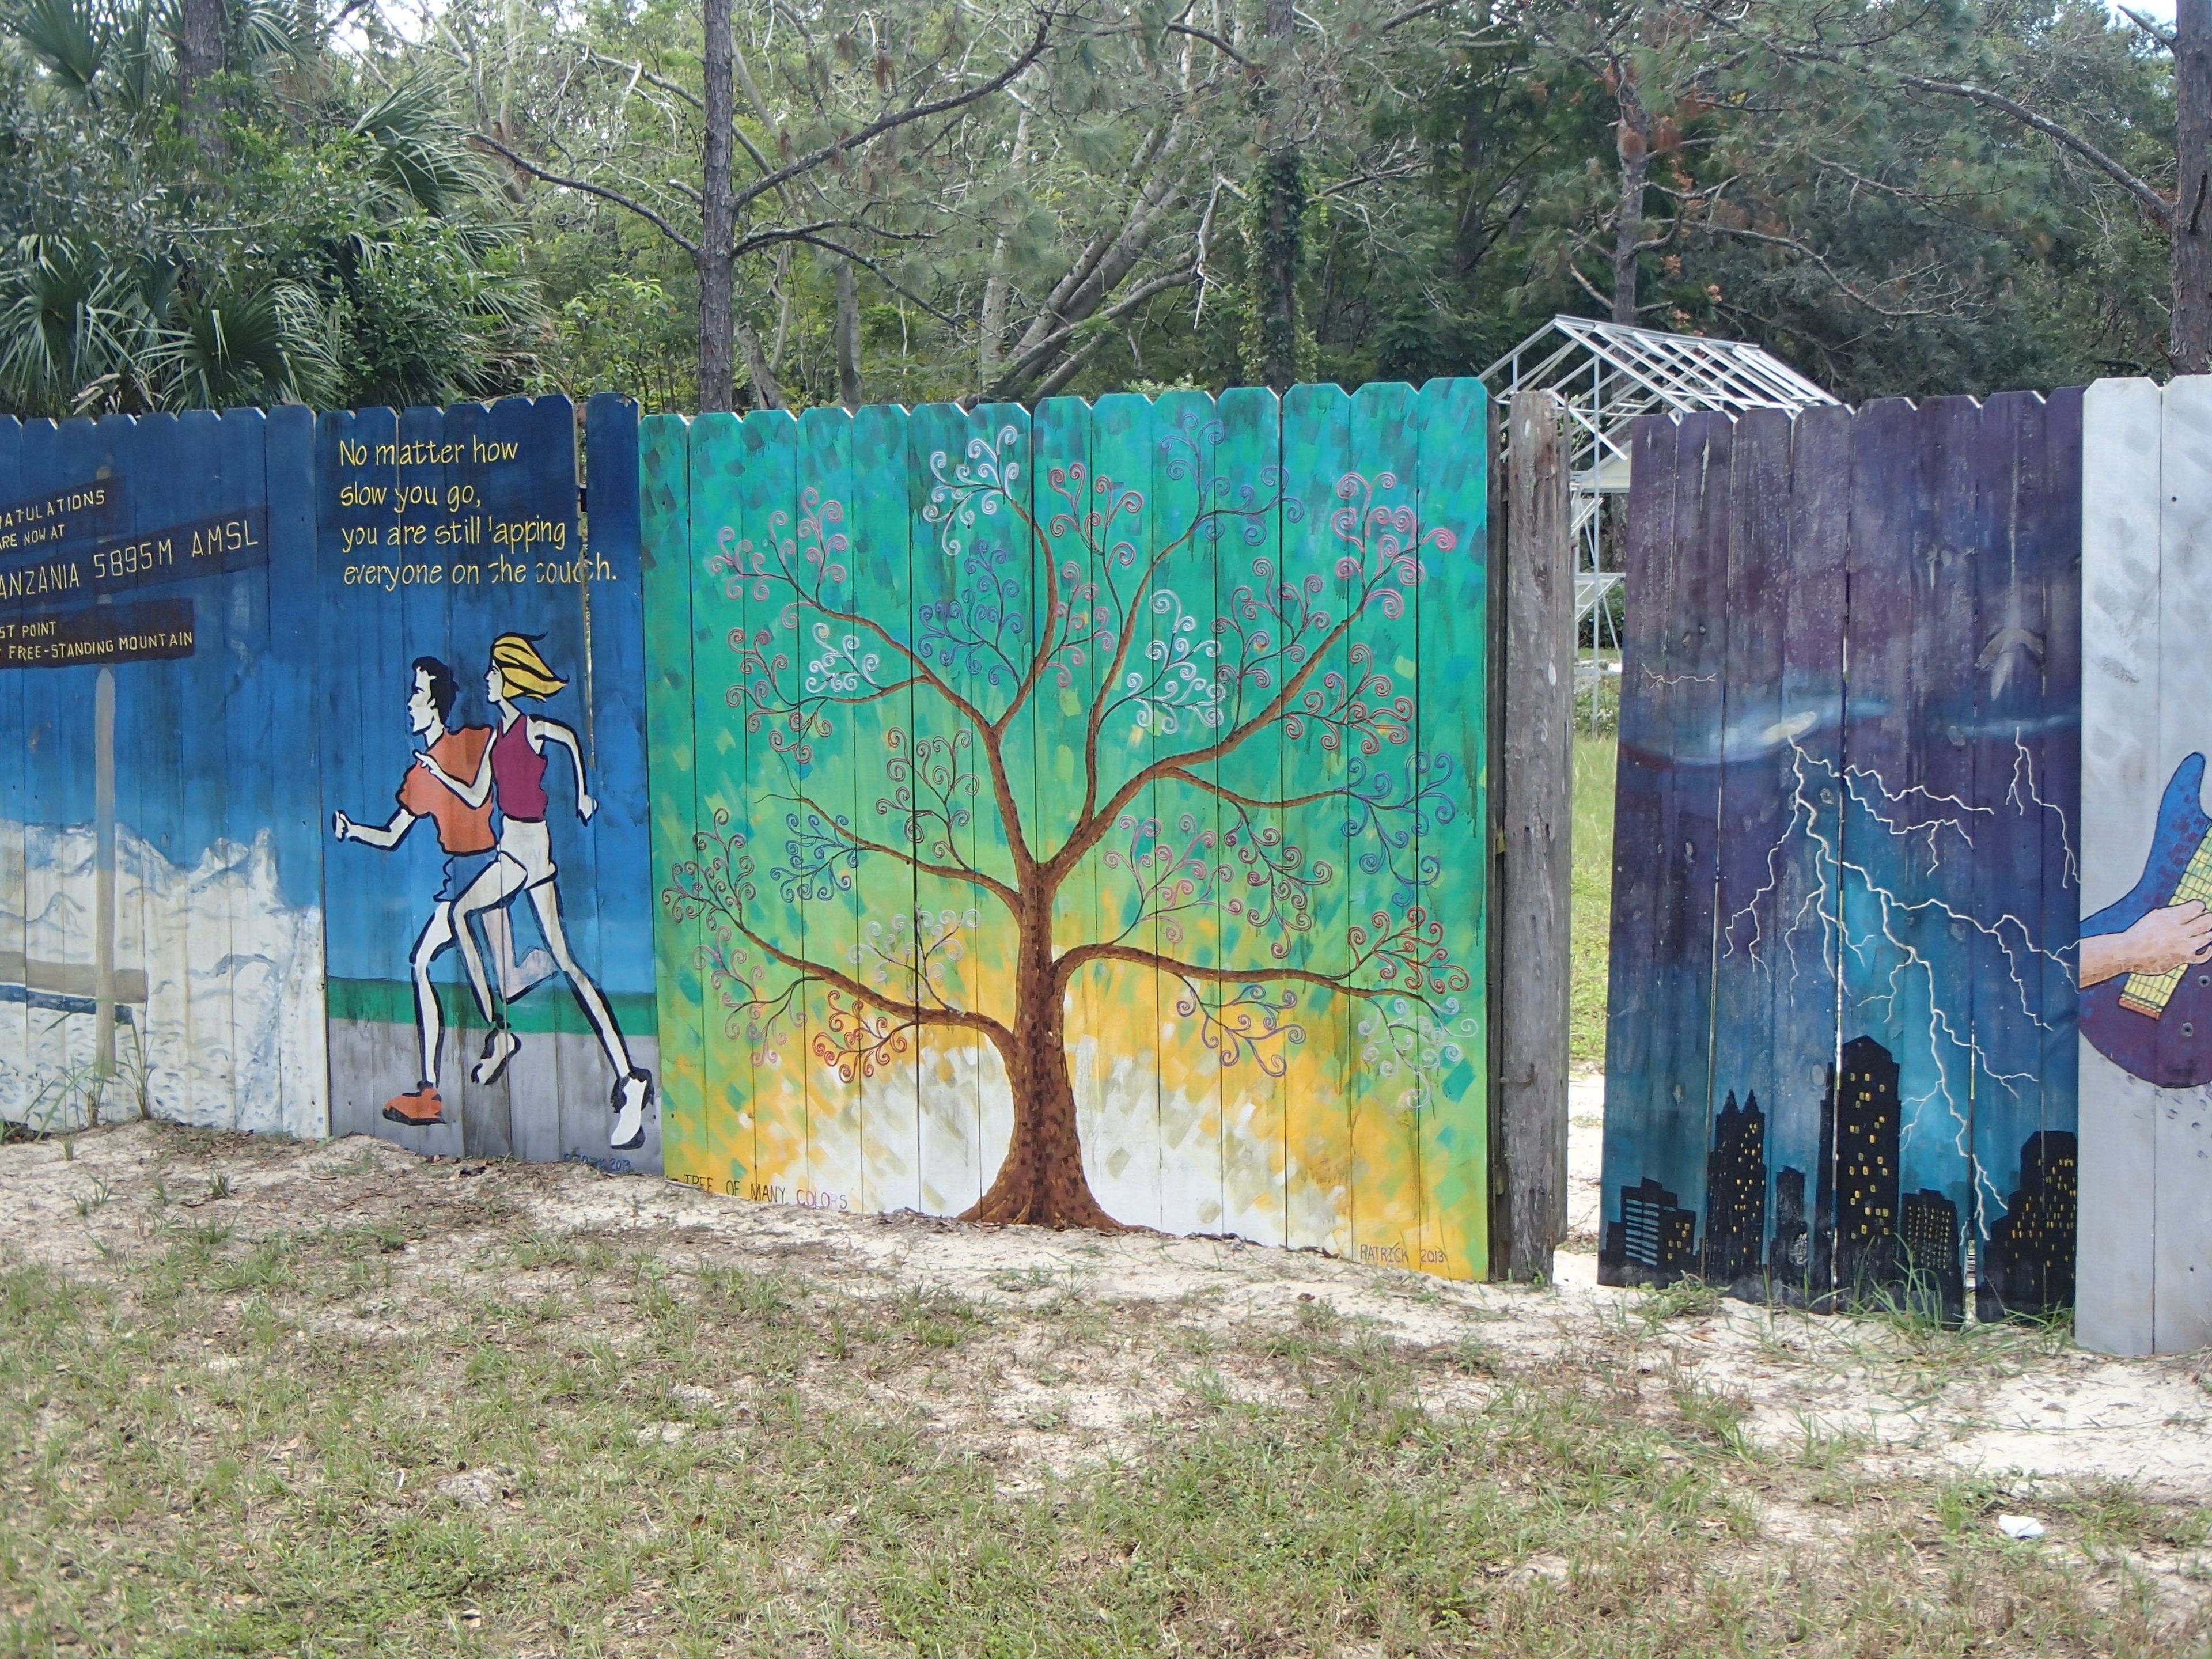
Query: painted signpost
x,y
1078,815
1840,1056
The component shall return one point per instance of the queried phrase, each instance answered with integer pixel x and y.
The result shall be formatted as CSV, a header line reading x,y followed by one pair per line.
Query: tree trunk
x,y
1634,139
716,268
848,337
768,392
2191,339
991,331
202,27
1042,1182
1280,211
1281,218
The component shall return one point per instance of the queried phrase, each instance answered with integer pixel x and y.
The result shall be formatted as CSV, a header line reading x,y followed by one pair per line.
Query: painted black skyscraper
x,y
1735,1196
1928,1254
1824,1199
2030,1266
1859,1179
1789,1260
1655,1241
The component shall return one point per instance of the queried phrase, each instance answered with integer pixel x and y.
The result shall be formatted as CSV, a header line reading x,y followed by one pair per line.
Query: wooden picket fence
x,y
1840,1055
1080,815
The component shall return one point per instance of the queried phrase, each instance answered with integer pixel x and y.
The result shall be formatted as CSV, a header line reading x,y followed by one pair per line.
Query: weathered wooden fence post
x,y
1533,797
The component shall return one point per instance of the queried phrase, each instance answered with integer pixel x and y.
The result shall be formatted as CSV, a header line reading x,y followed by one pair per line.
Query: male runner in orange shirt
x,y
466,834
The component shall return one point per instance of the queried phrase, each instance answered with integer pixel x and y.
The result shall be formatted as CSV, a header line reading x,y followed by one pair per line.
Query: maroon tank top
x,y
518,774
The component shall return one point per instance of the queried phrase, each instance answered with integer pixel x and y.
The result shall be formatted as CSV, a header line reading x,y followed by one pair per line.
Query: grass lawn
x,y
1593,898
312,1400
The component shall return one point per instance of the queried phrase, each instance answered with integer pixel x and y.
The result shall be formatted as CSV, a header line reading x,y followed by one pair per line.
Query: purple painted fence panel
x,y
1839,1055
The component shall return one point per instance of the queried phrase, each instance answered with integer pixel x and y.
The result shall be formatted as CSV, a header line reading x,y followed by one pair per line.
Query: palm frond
x,y
142,55
264,346
264,32
421,149
70,37
63,315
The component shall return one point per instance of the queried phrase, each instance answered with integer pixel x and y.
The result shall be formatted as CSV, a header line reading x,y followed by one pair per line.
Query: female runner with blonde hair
x,y
512,773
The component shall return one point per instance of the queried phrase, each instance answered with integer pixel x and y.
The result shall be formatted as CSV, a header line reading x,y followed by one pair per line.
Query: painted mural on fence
x,y
1078,817
1840,1058
2146,1038
490,957
160,925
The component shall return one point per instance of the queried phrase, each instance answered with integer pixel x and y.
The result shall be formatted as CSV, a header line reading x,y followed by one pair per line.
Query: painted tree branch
x,y
1226,865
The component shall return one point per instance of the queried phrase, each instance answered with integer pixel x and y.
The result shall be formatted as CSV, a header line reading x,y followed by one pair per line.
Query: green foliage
x,y
322,246
1440,184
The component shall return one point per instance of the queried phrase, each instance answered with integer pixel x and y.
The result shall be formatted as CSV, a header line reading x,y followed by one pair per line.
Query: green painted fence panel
x,y
1078,815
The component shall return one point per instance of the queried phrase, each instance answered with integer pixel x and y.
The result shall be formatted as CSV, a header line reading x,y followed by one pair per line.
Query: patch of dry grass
x,y
429,1423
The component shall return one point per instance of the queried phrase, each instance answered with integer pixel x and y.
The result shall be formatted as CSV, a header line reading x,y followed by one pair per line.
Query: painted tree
x,y
1243,746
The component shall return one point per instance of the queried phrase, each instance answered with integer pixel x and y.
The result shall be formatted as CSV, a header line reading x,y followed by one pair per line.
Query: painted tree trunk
x,y
1042,1181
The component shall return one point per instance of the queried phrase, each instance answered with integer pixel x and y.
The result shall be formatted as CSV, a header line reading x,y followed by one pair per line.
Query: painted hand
x,y
585,805
342,826
2164,939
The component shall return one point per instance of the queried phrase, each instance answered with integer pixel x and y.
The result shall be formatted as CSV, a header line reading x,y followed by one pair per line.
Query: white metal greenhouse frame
x,y
1608,373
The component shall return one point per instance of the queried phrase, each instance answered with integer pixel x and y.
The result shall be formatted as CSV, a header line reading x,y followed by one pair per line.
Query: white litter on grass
x,y
2025,1528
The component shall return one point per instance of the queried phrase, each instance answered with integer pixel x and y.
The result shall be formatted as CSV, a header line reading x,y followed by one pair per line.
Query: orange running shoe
x,y
418,1110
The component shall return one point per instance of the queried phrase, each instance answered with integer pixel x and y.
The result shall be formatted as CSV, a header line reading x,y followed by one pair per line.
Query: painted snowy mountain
x,y
230,1032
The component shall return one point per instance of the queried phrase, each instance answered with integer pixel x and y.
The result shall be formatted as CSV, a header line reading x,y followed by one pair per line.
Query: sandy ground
x,y
2013,1405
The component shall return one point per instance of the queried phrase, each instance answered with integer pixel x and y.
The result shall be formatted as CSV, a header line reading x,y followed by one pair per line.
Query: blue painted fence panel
x,y
491,983
163,557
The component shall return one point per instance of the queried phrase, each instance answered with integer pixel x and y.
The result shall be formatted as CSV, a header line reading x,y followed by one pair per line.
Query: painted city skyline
x,y
1868,1237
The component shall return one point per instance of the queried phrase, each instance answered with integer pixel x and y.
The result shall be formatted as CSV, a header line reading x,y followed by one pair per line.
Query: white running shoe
x,y
633,1094
500,1045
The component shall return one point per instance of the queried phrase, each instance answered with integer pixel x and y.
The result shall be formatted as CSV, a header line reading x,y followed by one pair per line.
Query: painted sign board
x,y
1840,1050
490,984
160,894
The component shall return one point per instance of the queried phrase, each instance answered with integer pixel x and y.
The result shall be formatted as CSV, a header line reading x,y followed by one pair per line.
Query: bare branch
x,y
2153,204
807,235
1213,41
620,200
1020,369
2157,31
1410,13
876,128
